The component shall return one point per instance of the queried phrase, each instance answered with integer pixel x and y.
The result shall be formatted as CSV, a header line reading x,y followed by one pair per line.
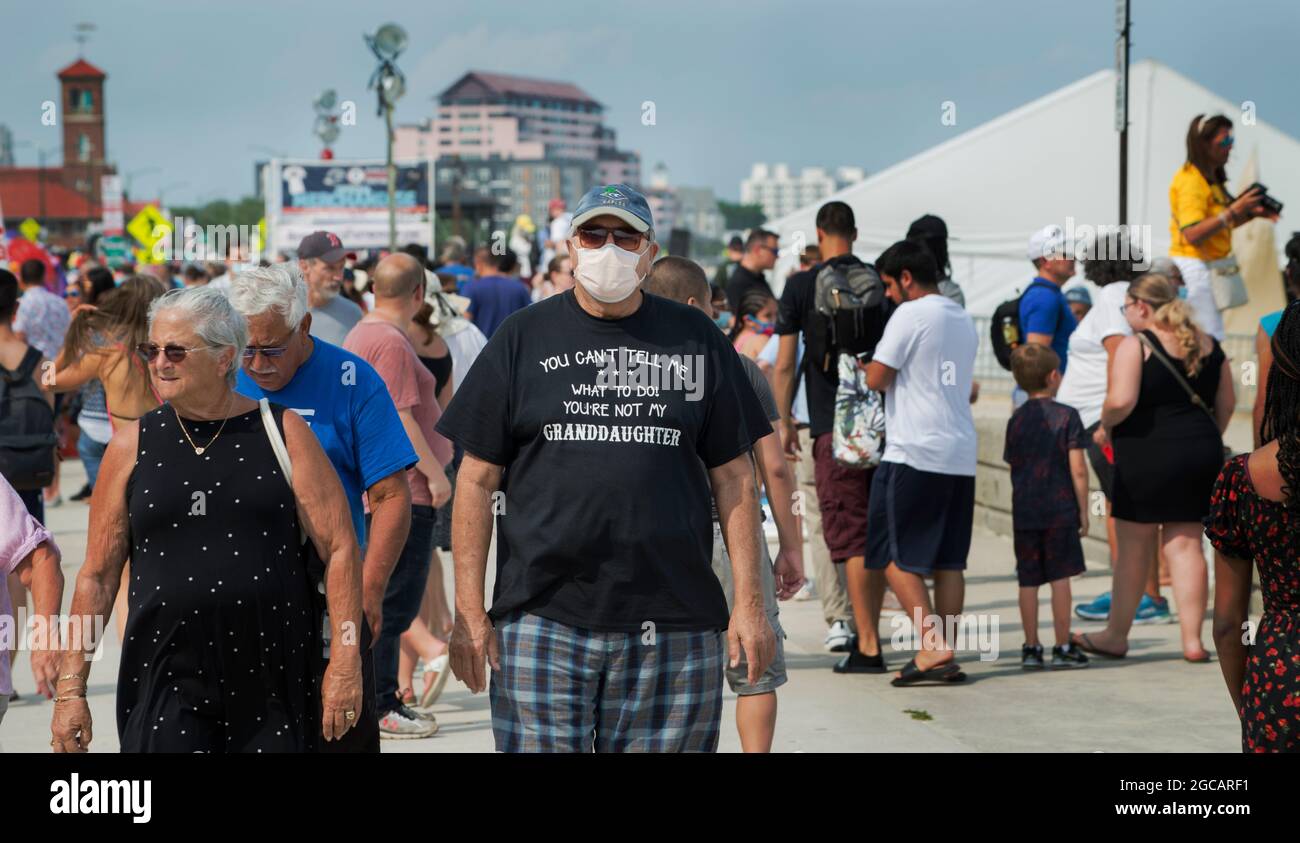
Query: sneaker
x,y
1067,657
1031,657
805,591
1097,610
82,495
838,637
1153,610
403,724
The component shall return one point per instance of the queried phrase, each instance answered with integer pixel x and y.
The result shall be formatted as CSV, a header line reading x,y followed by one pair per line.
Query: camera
x,y
1268,203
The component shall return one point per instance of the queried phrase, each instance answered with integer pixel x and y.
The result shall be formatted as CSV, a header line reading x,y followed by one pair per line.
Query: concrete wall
x,y
993,492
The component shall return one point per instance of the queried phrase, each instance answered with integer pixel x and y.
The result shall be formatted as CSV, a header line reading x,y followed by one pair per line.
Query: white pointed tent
x,y
1056,160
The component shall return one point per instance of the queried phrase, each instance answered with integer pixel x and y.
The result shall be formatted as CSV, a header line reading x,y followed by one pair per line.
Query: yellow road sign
x,y
149,226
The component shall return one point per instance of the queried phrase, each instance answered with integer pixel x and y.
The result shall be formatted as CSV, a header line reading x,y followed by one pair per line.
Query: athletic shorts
x,y
842,496
920,520
1044,556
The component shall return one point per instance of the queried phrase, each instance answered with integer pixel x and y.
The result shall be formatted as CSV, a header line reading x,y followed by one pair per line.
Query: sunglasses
x,y
72,293
1227,141
268,351
271,352
594,238
174,353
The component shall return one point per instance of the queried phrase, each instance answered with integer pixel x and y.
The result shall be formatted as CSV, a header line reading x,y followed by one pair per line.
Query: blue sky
x,y
194,88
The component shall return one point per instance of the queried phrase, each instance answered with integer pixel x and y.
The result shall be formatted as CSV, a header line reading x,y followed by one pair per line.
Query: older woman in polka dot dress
x,y
221,640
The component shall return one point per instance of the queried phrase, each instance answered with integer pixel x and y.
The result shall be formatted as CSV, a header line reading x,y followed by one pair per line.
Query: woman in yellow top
x,y
1203,214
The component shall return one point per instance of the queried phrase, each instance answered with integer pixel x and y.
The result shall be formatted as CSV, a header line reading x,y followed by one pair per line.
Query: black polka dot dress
x,y
220,638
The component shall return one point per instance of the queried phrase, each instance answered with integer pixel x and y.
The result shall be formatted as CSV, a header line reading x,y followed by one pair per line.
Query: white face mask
x,y
608,273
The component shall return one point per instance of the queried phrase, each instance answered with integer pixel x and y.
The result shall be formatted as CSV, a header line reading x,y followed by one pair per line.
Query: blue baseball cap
x,y
617,200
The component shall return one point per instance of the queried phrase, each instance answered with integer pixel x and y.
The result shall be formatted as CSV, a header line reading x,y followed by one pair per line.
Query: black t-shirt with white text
x,y
606,428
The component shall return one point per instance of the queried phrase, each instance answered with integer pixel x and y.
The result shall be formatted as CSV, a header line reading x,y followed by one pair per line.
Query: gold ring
x,y
349,715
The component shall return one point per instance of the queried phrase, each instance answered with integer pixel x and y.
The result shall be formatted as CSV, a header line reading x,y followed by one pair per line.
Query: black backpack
x,y
1004,330
849,298
27,438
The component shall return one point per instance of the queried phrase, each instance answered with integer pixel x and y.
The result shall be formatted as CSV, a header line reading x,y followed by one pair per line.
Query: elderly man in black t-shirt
x,y
594,424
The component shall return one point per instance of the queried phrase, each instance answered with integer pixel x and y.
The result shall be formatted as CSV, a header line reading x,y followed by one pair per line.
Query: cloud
x,y
559,55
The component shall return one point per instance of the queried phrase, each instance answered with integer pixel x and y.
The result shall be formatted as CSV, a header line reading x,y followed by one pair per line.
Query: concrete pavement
x,y
1150,702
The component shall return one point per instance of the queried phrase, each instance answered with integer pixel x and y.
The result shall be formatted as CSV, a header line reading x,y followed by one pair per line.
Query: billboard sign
x,y
347,198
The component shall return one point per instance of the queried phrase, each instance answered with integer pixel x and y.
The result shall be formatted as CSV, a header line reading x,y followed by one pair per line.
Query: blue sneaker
x,y
1097,610
1153,611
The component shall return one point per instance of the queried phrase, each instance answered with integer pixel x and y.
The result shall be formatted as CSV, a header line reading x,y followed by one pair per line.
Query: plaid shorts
x,y
565,689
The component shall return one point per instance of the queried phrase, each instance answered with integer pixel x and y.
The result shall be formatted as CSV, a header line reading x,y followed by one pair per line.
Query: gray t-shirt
x,y
765,398
332,320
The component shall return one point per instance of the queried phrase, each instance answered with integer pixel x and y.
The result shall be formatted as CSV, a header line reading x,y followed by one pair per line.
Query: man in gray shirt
x,y
320,259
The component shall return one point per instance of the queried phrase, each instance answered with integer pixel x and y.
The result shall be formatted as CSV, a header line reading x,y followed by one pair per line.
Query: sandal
x,y
1083,642
433,690
946,673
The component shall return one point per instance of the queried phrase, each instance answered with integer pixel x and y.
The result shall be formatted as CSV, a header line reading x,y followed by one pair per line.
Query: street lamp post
x,y
387,44
327,121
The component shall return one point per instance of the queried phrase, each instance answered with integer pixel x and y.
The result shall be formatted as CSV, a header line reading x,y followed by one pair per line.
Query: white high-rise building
x,y
780,193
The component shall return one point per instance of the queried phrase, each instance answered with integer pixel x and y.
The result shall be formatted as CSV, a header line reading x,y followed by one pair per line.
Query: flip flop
x,y
1083,642
442,666
944,674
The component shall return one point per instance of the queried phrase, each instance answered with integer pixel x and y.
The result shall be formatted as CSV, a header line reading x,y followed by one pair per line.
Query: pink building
x,y
485,116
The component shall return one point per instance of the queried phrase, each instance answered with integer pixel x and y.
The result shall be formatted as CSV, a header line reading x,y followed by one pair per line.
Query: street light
x,y
168,187
141,172
387,44
327,121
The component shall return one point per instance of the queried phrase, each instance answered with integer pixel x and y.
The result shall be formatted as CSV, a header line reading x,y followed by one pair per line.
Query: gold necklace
x,y
197,450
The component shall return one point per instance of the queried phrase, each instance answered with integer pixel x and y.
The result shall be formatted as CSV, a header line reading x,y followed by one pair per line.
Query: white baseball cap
x,y
1047,242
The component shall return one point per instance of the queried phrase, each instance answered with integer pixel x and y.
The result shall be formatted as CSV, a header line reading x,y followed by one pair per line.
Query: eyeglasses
x,y
174,353
594,238
271,352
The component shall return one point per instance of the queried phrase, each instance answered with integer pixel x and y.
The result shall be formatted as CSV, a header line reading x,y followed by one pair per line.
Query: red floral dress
x,y
1243,525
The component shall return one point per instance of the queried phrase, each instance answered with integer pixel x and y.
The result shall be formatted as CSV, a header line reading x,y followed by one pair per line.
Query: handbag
x,y
1226,283
315,566
858,439
1159,353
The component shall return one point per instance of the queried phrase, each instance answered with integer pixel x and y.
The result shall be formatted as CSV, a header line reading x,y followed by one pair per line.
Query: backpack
x,y
849,298
1004,329
27,438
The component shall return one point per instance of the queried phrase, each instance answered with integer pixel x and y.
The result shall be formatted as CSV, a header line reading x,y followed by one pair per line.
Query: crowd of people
x,y
272,454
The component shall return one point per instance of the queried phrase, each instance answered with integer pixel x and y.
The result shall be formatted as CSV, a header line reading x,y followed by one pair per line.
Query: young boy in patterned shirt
x,y
1045,445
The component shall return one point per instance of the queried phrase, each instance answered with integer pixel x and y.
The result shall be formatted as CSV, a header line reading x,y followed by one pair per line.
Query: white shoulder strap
x,y
277,441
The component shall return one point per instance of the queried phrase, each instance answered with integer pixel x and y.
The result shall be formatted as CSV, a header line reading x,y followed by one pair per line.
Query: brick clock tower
x,y
81,96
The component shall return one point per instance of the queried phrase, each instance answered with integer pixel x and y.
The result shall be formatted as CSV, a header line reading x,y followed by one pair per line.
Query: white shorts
x,y
1196,277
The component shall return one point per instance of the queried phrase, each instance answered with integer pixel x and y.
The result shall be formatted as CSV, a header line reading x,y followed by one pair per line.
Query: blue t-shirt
x,y
345,403
1044,310
493,298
